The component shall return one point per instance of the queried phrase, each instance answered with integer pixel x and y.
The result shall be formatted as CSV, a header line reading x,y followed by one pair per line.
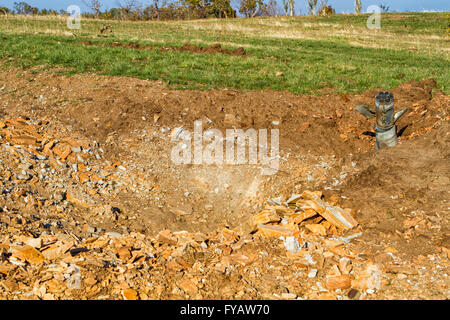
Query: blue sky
x,y
339,5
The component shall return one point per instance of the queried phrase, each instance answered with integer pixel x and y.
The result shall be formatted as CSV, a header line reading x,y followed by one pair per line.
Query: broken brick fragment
x,y
62,150
274,231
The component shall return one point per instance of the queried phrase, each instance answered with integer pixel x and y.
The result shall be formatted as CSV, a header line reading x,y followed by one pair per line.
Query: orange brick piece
x,y
62,150
339,217
338,282
274,231
28,254
266,216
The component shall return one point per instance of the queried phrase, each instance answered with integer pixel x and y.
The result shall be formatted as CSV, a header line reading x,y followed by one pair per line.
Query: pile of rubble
x,y
66,164
42,257
308,210
43,173
301,247
109,265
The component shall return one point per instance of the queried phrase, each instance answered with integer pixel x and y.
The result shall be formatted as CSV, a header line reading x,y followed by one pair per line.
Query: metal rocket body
x,y
385,128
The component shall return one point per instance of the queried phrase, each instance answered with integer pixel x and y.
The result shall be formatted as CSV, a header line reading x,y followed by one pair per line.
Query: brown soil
x,y
398,195
215,48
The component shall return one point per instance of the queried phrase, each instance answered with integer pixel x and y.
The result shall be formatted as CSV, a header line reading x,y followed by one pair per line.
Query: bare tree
x,y
285,5
312,4
273,9
129,4
323,3
292,8
94,5
131,8
323,9
252,8
4,10
358,6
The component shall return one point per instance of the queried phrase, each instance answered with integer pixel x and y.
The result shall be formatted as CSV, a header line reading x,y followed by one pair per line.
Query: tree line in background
x,y
185,9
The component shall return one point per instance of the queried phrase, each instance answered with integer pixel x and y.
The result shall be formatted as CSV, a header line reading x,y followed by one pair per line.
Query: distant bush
x,y
24,8
4,10
182,10
358,6
326,11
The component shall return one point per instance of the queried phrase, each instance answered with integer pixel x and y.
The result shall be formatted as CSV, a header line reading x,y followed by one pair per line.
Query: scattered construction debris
x,y
67,229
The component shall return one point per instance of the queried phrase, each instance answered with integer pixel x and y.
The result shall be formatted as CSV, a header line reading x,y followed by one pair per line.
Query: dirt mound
x,y
402,183
126,182
215,48
133,119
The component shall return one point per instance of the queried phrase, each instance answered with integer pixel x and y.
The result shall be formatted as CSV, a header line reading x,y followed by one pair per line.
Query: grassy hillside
x,y
302,54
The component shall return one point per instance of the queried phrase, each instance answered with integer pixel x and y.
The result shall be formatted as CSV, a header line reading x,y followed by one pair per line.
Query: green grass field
x,y
301,54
